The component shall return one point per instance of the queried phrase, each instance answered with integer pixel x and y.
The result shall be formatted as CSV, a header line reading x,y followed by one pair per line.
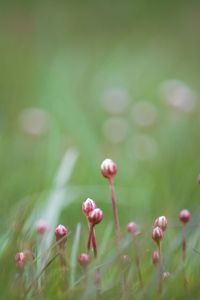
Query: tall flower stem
x,y
115,211
184,246
183,241
91,239
160,268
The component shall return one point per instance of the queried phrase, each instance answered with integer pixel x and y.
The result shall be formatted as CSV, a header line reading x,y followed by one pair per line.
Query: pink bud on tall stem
x,y
88,206
157,236
109,170
184,217
94,217
61,233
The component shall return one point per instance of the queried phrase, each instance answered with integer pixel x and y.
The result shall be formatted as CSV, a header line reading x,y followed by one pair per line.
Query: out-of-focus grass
x,y
63,58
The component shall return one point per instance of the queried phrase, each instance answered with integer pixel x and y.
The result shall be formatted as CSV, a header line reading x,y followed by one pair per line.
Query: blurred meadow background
x,y
84,80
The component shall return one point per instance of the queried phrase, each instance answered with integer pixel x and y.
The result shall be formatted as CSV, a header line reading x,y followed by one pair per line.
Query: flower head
x,y
41,227
88,206
133,228
161,222
157,234
84,259
108,168
95,216
61,232
184,216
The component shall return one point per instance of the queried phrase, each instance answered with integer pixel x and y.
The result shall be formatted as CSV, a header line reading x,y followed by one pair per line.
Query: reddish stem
x,y
183,241
160,268
90,237
184,255
93,241
115,212
94,245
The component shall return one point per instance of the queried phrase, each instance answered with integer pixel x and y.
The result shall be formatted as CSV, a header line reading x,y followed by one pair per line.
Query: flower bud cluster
x,y
92,213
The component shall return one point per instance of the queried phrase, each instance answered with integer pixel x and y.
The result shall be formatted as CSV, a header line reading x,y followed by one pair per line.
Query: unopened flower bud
x,y
84,259
108,168
95,216
41,227
88,206
157,234
133,228
155,257
20,259
161,222
184,216
61,232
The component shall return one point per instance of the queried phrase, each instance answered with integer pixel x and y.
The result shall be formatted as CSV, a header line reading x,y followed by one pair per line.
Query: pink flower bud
x,y
20,259
161,222
84,259
95,216
108,168
157,234
133,228
88,206
41,227
61,232
184,216
155,257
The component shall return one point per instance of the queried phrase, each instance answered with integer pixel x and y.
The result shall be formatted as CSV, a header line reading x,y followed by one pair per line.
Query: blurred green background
x,y
72,75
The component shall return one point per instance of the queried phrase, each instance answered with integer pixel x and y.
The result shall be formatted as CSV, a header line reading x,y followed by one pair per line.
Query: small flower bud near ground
x,y
161,222
108,168
61,232
155,257
41,227
95,216
84,259
20,259
184,216
165,275
133,228
157,234
88,206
